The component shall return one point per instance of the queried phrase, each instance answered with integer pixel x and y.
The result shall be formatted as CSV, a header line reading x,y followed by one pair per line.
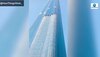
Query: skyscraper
x,y
48,39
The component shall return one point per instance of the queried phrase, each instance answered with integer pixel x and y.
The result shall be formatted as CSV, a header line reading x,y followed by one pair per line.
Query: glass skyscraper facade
x,y
47,33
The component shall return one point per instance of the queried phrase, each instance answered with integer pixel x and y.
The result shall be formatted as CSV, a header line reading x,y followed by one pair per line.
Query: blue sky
x,y
35,7
11,20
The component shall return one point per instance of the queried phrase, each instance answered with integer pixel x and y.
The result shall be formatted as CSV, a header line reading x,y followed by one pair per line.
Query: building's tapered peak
x,y
48,40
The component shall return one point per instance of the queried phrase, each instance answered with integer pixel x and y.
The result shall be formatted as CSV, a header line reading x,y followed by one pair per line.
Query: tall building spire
x,y
49,40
